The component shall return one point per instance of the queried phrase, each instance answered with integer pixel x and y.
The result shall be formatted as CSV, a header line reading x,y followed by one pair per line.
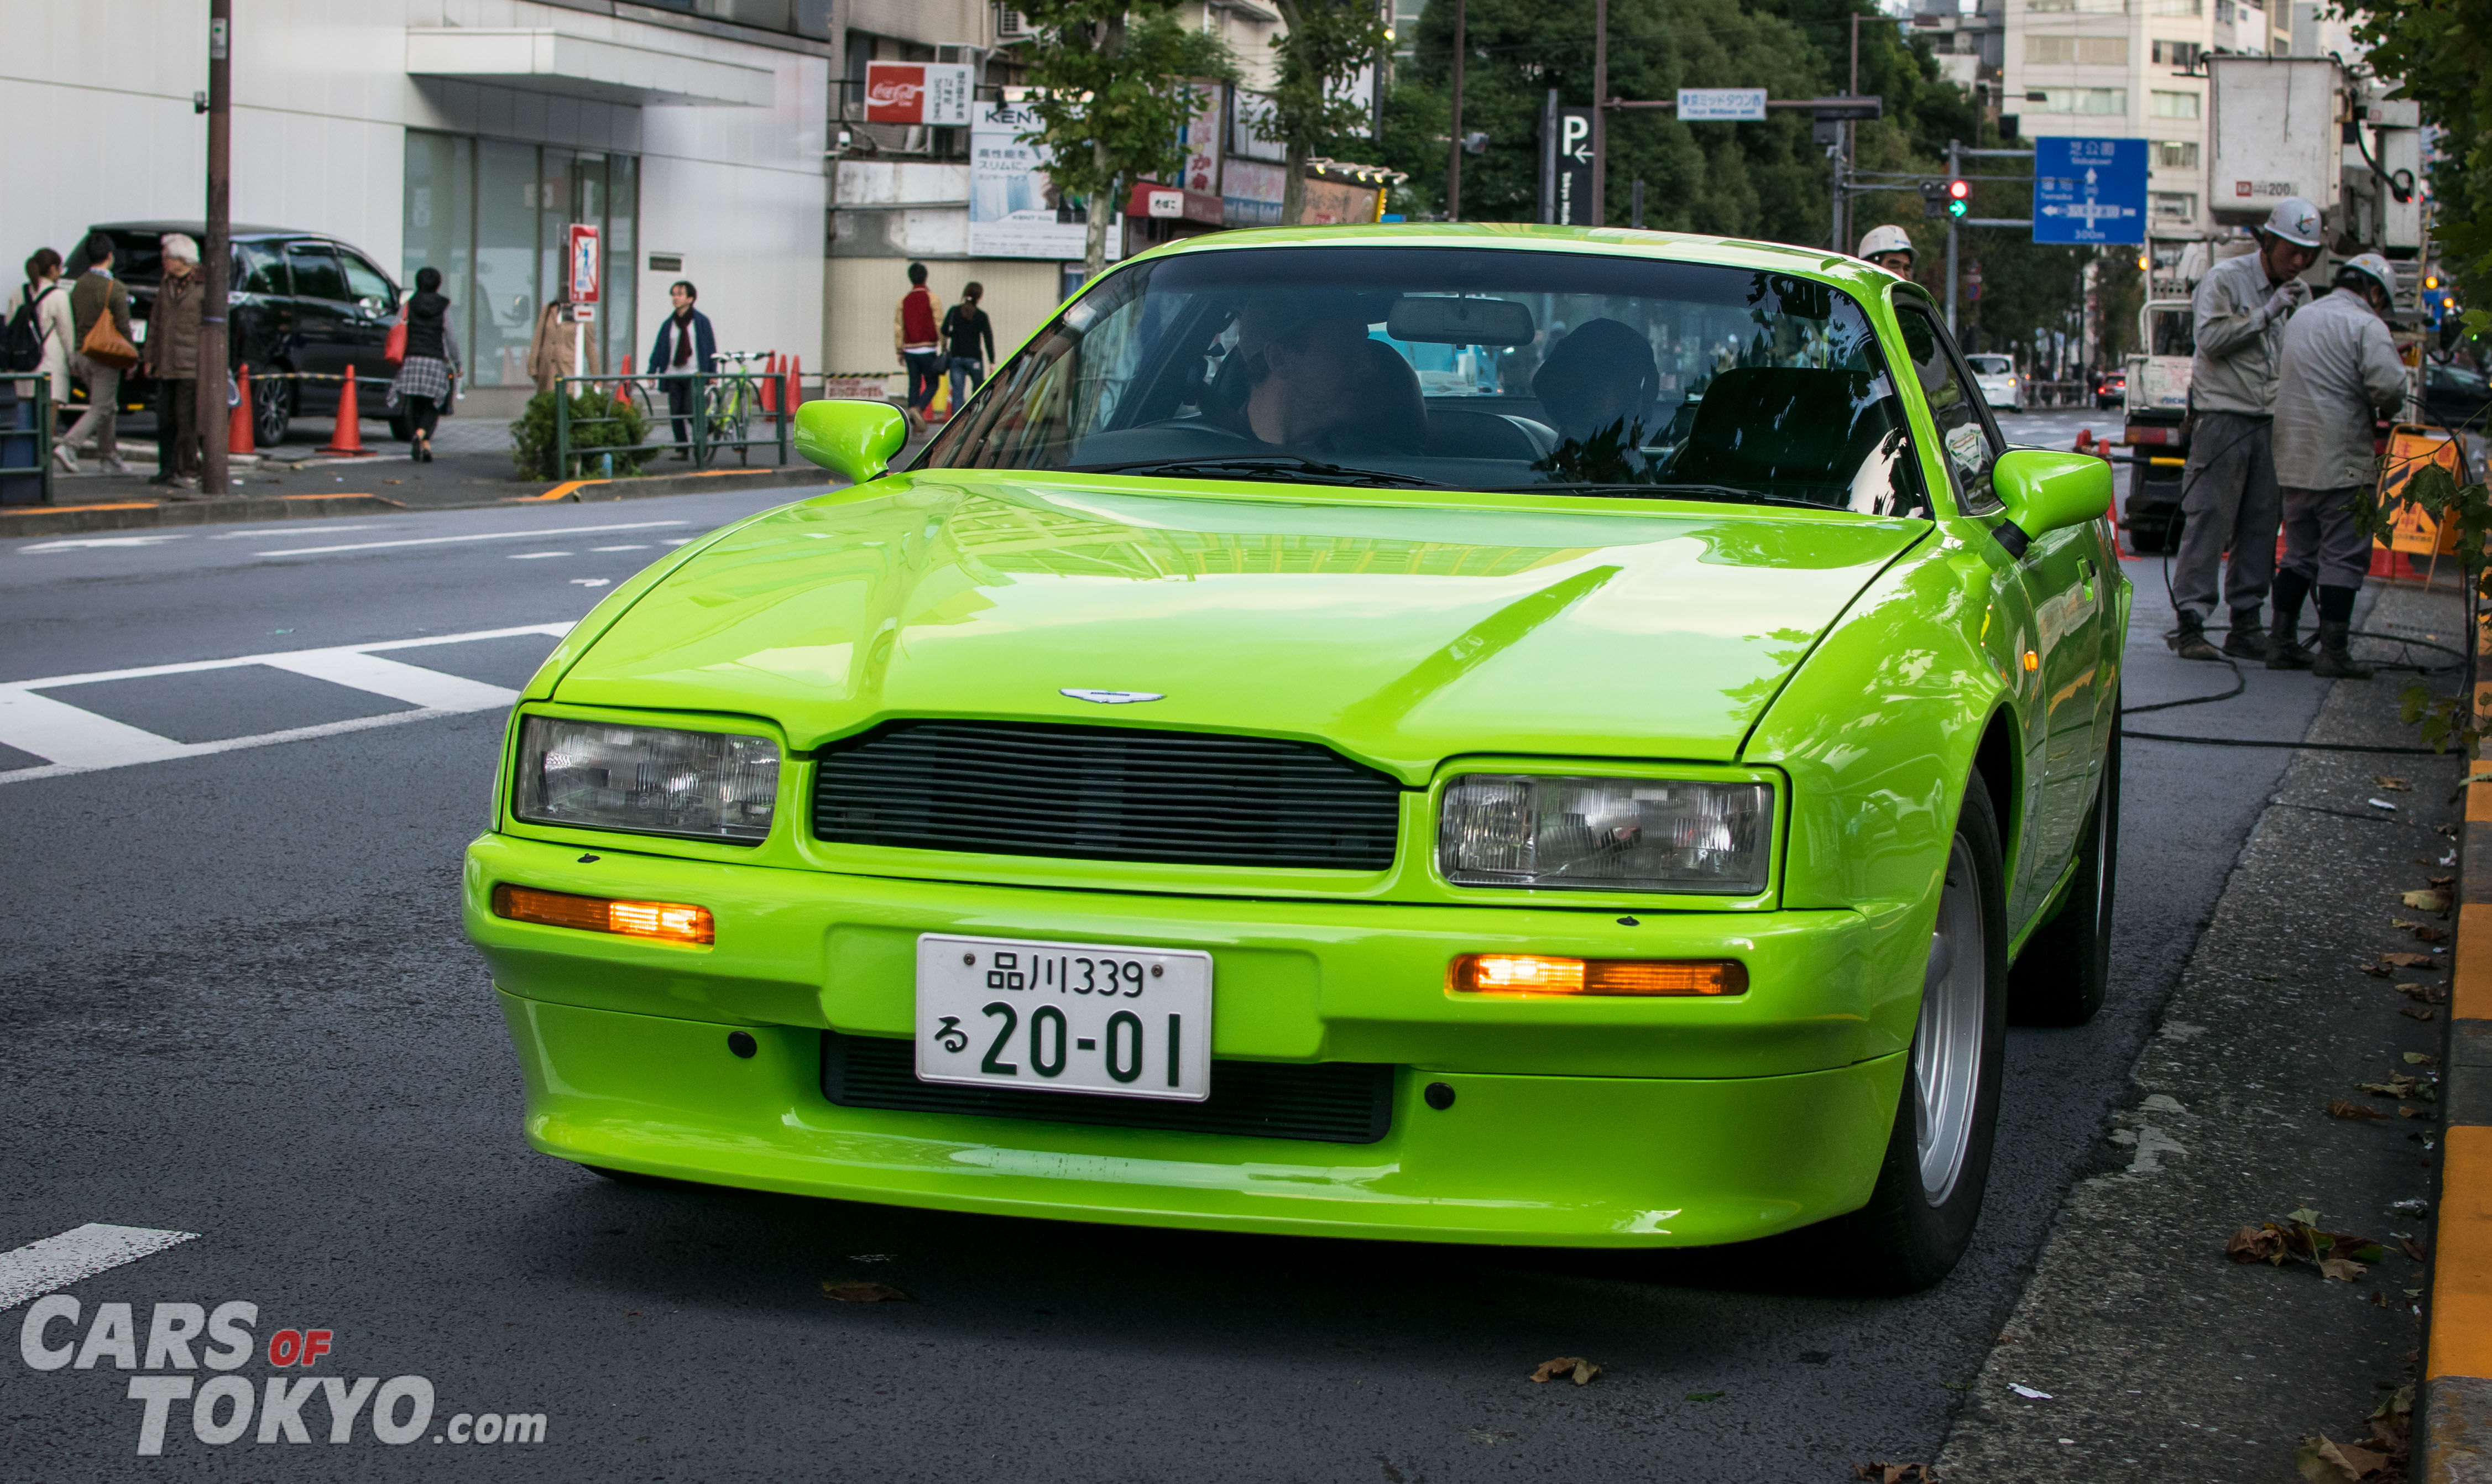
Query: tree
x,y
1326,42
1114,97
2442,50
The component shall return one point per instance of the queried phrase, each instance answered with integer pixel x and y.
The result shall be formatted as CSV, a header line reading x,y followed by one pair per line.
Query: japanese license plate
x,y
1001,1012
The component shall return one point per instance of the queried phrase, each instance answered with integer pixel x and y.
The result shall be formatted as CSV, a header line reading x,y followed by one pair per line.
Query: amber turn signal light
x,y
1532,973
673,922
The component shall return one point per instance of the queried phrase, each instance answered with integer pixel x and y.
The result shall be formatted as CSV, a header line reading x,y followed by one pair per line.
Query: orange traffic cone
x,y
796,383
238,428
770,384
347,441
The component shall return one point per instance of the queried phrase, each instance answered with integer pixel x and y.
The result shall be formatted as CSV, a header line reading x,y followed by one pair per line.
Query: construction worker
x,y
2339,370
1890,248
2229,500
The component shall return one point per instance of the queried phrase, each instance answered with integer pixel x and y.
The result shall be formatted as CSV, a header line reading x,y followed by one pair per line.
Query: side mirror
x,y
2047,490
854,439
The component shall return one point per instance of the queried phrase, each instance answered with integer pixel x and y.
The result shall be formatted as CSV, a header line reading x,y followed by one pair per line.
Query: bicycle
x,y
731,401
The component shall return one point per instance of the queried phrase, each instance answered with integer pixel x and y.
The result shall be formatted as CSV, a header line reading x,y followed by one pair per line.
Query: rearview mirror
x,y
853,439
2048,490
1447,321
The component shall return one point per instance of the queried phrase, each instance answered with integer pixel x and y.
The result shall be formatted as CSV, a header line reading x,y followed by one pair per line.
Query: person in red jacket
x,y
916,333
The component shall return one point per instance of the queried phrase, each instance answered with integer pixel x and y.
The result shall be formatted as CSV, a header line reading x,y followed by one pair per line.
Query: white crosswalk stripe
x,y
71,739
81,1252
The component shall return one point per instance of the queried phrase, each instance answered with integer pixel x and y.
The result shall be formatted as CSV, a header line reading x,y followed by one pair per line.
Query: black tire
x,y
1903,1240
2065,969
272,409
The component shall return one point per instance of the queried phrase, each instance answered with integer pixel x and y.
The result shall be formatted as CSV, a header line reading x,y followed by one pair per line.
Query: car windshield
x,y
1459,368
1989,366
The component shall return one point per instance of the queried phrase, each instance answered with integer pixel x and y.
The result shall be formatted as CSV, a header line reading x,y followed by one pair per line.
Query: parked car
x,y
2453,396
2111,389
301,302
2001,386
1222,783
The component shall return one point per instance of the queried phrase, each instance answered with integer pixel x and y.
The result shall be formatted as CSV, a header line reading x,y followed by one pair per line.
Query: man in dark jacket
x,y
171,356
99,293
684,345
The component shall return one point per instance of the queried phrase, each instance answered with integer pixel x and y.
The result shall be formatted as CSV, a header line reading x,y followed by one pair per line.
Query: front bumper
x,y
1616,1122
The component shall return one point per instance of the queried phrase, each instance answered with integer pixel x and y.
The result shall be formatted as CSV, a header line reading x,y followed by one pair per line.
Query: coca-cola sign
x,y
933,93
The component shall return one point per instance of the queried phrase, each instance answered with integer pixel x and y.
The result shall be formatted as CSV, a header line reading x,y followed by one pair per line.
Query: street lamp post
x,y
215,275
1600,113
1454,146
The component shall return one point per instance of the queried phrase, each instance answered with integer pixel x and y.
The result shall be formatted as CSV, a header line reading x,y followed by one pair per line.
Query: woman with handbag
x,y
100,322
428,360
54,328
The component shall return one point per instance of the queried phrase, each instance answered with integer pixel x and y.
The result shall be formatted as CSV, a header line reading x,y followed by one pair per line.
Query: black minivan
x,y
302,302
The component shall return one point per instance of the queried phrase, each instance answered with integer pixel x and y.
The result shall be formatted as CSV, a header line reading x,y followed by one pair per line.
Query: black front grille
x,y
1110,793
1336,1102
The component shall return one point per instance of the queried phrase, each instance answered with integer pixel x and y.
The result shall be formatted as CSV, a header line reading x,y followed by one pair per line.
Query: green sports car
x,y
1469,733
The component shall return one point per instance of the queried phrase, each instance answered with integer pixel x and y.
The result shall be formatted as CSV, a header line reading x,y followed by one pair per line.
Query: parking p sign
x,y
2088,190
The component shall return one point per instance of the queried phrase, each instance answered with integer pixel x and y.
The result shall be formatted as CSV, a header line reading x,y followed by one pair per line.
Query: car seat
x,y
1759,427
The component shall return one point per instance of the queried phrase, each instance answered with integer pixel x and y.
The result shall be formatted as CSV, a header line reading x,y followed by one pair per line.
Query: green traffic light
x,y
1956,208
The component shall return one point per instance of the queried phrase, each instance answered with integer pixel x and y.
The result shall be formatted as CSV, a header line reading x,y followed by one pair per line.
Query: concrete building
x,y
462,134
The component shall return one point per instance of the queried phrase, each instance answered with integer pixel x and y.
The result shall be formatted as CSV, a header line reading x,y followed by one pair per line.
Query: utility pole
x,y
1600,111
1454,146
1845,228
1955,170
216,274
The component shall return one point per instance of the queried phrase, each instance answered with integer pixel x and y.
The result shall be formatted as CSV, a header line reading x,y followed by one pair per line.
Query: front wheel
x,y
272,409
1920,1216
2061,977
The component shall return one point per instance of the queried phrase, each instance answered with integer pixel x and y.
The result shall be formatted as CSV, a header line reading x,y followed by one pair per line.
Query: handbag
x,y
105,346
394,349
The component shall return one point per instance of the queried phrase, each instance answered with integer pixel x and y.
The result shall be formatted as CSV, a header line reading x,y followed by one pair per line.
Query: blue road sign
x,y
2088,190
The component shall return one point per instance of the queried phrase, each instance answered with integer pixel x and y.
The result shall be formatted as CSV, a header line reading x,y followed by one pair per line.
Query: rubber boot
x,y
2189,639
2284,647
2247,638
2333,662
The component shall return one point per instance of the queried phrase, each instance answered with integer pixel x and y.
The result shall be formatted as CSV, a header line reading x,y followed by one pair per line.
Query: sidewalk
x,y
2142,1350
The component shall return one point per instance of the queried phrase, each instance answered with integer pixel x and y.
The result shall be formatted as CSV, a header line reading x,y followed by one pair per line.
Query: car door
x,y
324,312
2049,606
376,306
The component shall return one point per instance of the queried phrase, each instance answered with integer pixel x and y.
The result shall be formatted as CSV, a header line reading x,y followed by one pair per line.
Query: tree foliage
x,y
1326,44
2442,50
1115,98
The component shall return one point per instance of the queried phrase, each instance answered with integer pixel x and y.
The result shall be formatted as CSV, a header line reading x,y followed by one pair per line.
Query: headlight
x,y
649,780
1617,834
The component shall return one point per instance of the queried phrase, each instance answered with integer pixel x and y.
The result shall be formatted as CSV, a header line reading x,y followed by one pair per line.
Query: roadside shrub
x,y
532,447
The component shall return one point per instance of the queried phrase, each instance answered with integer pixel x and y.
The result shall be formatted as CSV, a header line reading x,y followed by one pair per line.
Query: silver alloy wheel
x,y
1947,1043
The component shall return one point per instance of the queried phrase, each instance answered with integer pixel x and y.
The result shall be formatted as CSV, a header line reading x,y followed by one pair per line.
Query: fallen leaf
x,y
1894,1473
1576,1367
2407,1111
2410,960
2398,1085
2416,1012
2346,1107
2429,933
2444,880
864,1293
2392,785
2433,900
2028,1392
2360,1463
2375,971
2379,1300
2256,1244
2343,1269
2420,1059
1484,1435
2422,991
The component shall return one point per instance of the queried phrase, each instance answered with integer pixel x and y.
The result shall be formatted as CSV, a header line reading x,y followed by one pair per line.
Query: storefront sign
x,y
935,93
1250,193
1202,140
1012,203
1250,126
1332,202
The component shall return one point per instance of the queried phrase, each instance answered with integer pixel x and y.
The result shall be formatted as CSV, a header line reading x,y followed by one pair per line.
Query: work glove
x,y
2289,295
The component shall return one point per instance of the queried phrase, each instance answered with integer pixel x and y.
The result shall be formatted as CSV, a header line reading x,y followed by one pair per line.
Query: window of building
x,y
2089,101
492,215
2176,154
2180,204
2175,6
2172,106
2178,53
2064,50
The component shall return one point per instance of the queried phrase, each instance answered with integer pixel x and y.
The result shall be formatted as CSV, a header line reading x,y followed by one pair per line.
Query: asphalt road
x,y
235,1003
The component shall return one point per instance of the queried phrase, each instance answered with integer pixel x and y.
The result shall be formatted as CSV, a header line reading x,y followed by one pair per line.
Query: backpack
x,y
21,344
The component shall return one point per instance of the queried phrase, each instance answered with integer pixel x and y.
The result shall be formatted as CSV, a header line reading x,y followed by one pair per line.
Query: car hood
x,y
1401,629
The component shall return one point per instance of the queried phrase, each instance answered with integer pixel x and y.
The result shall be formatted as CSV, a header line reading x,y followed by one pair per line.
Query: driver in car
x,y
1314,379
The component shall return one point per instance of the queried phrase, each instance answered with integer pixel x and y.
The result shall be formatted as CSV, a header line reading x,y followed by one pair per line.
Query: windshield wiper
x,y
1286,467
1727,492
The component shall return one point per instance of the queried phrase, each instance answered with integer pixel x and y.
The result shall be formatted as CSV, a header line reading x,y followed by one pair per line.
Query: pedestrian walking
x,y
553,348
684,346
425,378
2230,501
966,332
171,357
2339,373
44,306
99,296
916,333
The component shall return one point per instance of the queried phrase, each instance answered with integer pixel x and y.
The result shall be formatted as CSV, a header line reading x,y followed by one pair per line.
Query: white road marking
x,y
325,530
642,546
85,543
441,540
589,581
82,1252
74,740
532,556
680,541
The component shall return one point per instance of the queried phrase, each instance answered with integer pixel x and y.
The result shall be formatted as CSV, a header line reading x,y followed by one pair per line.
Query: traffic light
x,y
1959,192
1934,198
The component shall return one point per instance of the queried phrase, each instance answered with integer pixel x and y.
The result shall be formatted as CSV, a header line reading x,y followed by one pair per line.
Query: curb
x,y
127,514
697,482
2453,1446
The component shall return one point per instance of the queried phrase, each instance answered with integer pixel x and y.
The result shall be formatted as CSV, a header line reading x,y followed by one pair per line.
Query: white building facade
x,y
460,134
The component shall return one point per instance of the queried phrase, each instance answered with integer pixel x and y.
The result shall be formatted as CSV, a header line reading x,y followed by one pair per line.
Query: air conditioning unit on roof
x,y
1010,25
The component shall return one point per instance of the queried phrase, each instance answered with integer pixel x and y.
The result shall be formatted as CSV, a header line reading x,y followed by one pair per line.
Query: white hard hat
x,y
2295,221
1886,239
2377,269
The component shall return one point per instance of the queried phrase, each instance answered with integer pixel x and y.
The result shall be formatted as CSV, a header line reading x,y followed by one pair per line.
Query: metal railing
x,y
40,434
725,408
